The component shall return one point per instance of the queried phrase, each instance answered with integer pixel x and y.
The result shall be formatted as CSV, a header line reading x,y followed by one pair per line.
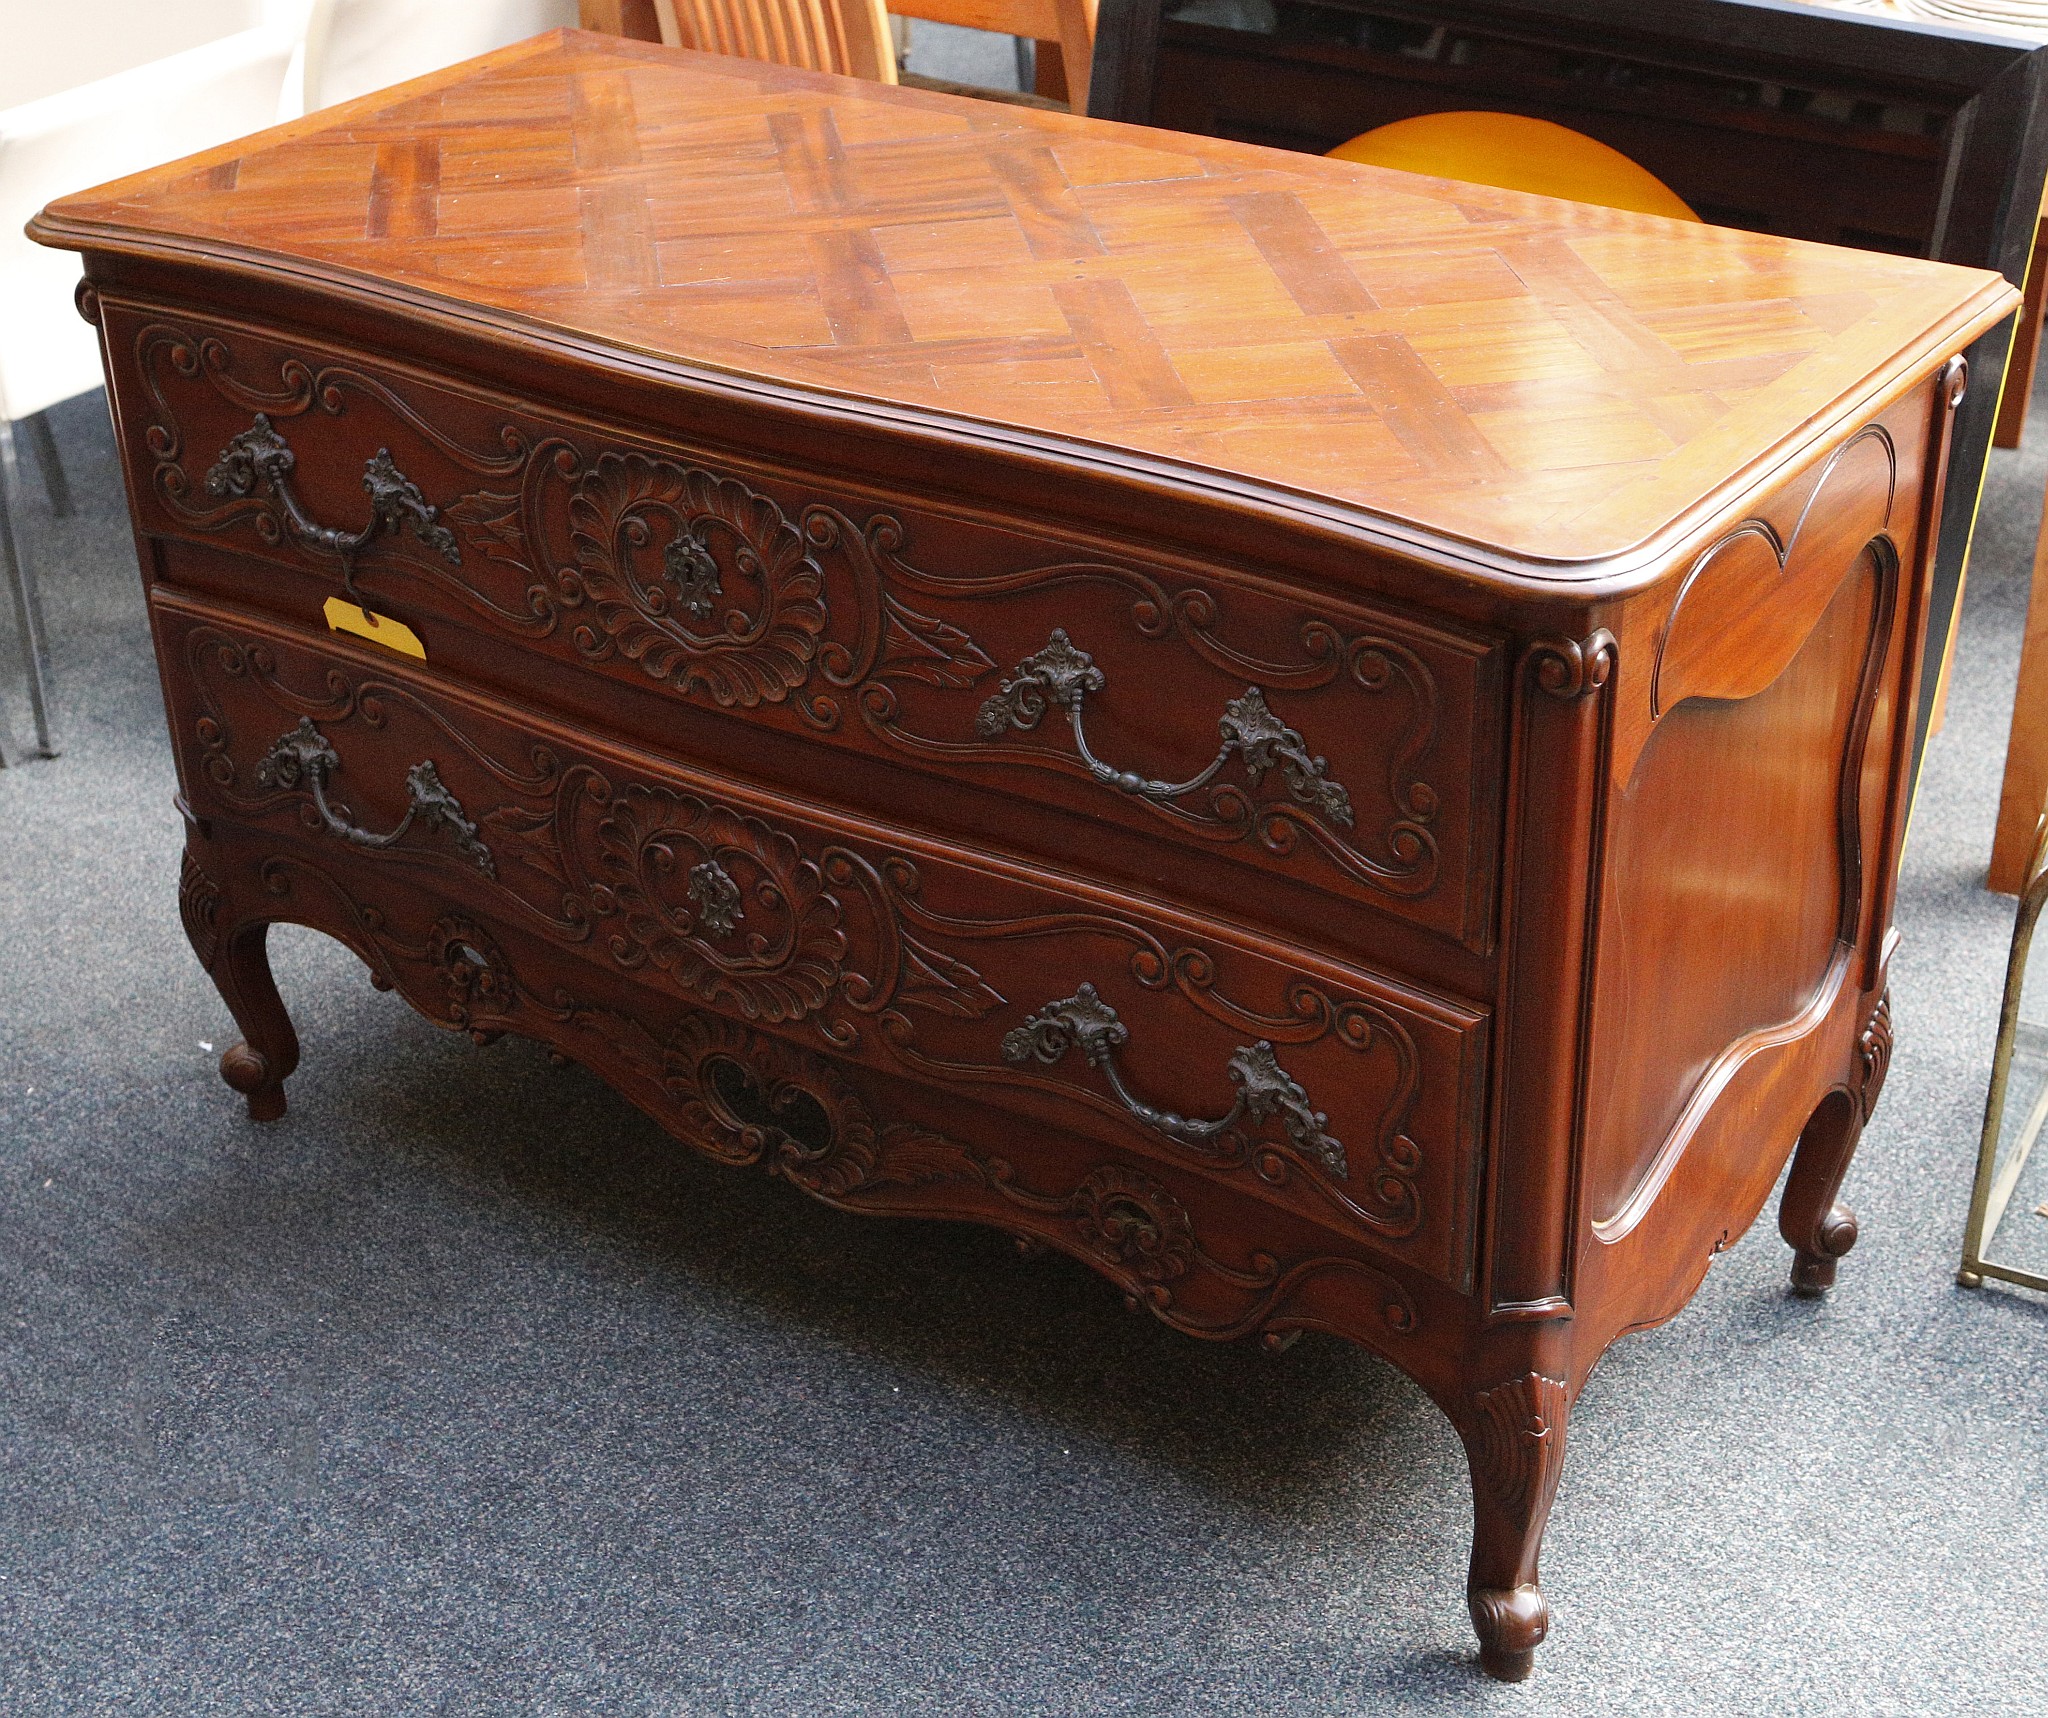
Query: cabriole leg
x,y
1514,1440
1818,1226
236,959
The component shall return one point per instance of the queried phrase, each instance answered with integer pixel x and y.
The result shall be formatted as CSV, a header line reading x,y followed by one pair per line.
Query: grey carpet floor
x,y
462,1390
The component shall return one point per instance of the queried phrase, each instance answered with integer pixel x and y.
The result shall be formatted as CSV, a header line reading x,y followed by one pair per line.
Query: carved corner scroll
x,y
1573,667
199,908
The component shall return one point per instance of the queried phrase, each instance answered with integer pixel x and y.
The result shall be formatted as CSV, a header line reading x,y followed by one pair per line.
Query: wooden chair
x,y
850,37
1063,29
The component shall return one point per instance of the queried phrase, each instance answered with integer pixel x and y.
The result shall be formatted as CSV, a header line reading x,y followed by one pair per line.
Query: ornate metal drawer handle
x,y
304,756
1264,1088
1064,674
259,455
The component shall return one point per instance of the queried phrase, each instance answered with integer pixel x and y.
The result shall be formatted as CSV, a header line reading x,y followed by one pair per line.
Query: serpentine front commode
x,y
894,631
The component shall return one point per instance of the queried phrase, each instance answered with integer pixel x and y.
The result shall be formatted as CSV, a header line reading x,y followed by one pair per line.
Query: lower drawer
x,y
1342,1096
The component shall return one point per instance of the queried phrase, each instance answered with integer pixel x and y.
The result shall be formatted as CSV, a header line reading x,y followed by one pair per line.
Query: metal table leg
x,y
28,609
54,480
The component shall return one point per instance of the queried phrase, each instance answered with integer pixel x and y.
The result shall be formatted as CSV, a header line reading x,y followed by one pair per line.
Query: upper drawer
x,y
1343,750
1348,1099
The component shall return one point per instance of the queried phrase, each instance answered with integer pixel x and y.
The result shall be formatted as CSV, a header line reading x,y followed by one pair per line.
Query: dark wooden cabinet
x,y
1335,752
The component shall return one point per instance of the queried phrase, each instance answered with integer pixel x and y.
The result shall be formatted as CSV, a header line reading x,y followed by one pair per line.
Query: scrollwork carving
x,y
670,873
1388,1197
654,544
479,987
707,587
746,1096
1131,1222
735,913
161,346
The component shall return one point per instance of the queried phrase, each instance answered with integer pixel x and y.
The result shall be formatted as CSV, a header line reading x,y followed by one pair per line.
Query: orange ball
x,y
1516,154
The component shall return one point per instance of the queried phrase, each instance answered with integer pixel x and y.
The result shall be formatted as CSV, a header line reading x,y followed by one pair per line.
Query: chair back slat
x,y
846,36
1070,23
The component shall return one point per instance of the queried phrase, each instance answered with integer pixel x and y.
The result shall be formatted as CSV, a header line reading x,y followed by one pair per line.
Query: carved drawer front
x,y
1337,1094
1342,749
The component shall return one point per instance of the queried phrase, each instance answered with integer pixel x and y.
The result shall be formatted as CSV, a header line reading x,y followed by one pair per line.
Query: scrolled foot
x,y
248,1070
1816,1224
1813,1269
1512,1622
233,953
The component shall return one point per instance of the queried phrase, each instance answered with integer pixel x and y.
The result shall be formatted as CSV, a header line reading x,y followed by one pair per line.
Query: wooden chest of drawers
x,y
1326,743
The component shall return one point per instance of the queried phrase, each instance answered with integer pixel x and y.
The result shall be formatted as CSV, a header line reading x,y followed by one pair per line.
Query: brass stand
x,y
1995,1182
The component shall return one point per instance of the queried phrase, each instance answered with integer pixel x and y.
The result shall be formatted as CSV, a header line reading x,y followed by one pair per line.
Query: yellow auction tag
x,y
377,628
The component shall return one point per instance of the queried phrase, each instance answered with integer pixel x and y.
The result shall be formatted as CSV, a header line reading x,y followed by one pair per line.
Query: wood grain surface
x,y
1556,383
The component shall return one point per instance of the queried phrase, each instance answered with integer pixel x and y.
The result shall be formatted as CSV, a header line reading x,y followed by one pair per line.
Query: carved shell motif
x,y
696,578
728,906
199,908
1517,1438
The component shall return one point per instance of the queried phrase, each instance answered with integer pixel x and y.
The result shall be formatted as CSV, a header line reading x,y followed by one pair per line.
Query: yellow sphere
x,y
1516,154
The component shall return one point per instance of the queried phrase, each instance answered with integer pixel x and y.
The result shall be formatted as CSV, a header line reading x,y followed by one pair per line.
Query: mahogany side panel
x,y
1756,806
1726,885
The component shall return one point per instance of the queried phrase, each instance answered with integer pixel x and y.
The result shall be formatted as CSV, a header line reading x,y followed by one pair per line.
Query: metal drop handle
x,y
303,757
1064,674
261,456
1264,1088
